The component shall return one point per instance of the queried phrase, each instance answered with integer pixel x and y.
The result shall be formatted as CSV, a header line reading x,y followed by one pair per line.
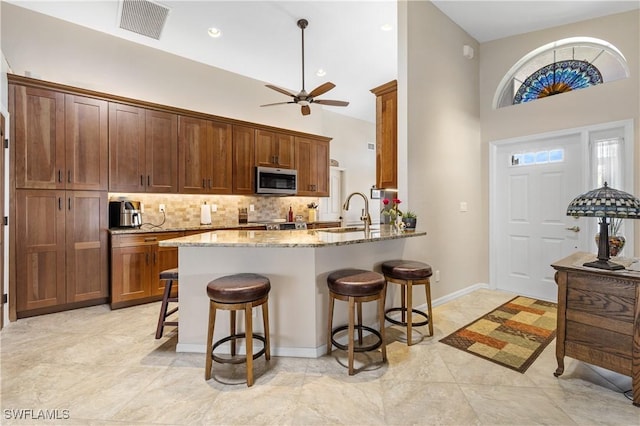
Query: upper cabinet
x,y
243,159
143,150
205,156
386,135
312,163
60,140
274,149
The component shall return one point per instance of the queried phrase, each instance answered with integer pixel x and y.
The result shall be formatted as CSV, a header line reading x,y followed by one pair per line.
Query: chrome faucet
x,y
366,218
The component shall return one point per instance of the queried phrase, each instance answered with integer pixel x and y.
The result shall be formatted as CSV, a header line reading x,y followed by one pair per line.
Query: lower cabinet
x,y
61,250
136,263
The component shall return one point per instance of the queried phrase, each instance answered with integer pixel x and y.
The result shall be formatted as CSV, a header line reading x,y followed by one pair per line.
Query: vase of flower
x,y
616,241
390,212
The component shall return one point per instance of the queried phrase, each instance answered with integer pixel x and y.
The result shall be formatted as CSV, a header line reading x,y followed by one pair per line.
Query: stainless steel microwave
x,y
270,180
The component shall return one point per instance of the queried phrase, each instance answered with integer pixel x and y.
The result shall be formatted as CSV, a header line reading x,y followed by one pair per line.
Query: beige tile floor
x,y
105,367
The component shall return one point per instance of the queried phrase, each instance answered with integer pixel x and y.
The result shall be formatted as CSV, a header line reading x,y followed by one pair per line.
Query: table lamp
x,y
604,203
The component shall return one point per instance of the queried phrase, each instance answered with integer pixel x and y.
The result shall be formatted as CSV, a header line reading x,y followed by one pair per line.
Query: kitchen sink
x,y
346,229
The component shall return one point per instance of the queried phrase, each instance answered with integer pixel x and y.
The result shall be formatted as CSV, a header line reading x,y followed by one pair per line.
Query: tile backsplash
x,y
184,210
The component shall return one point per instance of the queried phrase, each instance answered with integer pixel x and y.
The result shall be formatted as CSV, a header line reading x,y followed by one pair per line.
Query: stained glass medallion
x,y
558,77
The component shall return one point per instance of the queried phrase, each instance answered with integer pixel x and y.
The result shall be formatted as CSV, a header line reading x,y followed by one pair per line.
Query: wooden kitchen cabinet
x,y
598,317
312,163
136,262
243,160
274,149
60,140
386,135
205,156
143,150
324,225
61,250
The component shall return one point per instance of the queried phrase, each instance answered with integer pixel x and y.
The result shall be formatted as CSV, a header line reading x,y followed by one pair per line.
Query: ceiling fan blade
x,y
323,88
329,102
283,91
305,110
278,103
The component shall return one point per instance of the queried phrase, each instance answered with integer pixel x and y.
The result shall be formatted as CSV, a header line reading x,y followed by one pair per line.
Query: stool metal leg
x,y
409,311
403,298
351,330
248,330
232,324
163,308
381,303
265,324
209,358
359,322
427,289
330,327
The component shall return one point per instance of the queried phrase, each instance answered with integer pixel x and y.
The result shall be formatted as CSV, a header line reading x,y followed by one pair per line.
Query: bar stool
x,y
408,273
238,292
168,276
356,286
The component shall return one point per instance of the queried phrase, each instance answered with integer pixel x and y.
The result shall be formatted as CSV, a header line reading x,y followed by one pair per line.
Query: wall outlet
x,y
252,208
162,208
436,276
214,208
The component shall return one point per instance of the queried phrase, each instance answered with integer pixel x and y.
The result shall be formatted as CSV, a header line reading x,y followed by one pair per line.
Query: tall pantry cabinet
x,y
59,181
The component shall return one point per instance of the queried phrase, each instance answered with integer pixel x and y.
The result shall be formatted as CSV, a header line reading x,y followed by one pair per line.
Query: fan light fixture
x,y
303,98
604,203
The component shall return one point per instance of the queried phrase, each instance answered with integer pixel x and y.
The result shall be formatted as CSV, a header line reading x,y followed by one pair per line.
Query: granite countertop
x,y
204,228
293,238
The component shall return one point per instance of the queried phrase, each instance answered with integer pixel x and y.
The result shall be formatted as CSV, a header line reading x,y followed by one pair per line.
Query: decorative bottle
x,y
290,214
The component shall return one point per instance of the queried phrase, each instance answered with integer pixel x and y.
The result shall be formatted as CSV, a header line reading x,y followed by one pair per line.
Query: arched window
x,y
559,67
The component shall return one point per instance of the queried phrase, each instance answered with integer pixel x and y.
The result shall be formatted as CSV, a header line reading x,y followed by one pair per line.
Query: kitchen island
x,y
297,263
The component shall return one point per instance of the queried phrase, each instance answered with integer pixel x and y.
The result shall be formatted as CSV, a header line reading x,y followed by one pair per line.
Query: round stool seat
x,y
238,288
355,282
406,269
169,274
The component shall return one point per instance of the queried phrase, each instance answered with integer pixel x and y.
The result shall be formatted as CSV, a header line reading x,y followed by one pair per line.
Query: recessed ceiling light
x,y
214,32
386,27
321,73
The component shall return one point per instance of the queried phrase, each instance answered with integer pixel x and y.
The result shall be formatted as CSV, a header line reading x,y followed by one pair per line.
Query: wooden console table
x,y
599,317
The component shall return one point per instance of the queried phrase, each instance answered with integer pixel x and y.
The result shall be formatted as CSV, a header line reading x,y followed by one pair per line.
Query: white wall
x,y
609,102
349,147
439,162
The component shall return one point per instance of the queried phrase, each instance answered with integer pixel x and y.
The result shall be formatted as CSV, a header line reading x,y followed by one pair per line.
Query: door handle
x,y
573,228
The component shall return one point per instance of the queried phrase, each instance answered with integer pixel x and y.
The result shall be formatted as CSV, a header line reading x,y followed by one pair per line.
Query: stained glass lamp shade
x,y
604,203
558,77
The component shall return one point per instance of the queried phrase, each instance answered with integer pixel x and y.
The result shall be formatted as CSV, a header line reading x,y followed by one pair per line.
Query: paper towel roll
x,y
205,215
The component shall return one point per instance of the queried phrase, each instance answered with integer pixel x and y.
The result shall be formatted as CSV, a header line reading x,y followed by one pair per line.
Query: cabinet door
x,y
39,138
130,273
303,165
386,141
86,143
194,158
40,249
274,149
127,169
321,185
312,163
161,145
221,150
86,241
243,160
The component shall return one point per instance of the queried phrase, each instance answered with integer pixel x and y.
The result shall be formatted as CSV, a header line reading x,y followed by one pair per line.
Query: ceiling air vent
x,y
143,17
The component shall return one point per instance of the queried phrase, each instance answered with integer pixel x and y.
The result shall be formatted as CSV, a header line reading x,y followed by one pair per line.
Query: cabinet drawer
x,y
601,296
132,240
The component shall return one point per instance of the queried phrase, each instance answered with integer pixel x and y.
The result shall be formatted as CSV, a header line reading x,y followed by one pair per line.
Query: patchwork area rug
x,y
512,335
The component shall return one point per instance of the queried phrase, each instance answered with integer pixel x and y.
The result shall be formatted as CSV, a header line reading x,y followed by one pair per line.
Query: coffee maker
x,y
124,214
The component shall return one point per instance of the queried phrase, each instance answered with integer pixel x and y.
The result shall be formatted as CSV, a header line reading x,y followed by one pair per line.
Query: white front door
x,y
535,180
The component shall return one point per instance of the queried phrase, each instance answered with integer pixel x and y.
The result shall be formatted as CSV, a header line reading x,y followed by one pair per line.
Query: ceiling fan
x,y
303,98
